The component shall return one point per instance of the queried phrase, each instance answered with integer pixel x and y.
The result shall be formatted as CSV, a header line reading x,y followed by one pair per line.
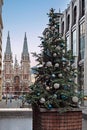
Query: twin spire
x,y
8,46
25,46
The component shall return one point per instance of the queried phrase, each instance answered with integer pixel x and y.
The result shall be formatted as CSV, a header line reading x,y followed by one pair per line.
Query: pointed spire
x,y
25,46
8,45
59,10
16,62
25,36
8,35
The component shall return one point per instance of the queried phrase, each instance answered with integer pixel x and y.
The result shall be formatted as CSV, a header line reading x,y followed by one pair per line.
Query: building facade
x,y
16,78
1,27
73,28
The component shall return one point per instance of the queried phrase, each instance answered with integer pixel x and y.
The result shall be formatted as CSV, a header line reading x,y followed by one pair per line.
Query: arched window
x,y
68,22
16,79
62,28
83,7
75,14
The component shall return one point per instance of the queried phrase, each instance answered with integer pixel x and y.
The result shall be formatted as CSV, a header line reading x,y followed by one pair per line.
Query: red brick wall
x,y
53,120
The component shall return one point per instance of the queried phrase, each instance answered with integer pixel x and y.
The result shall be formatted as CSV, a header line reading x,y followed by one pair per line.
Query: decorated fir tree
x,y
54,85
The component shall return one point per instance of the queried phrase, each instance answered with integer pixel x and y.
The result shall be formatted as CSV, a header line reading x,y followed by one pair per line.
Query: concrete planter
x,y
53,120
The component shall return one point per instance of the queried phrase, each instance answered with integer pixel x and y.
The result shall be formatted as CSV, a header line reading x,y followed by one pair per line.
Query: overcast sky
x,y
30,16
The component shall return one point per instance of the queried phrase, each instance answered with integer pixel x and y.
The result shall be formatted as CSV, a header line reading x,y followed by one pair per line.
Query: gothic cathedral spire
x,y
25,46
7,67
8,53
25,63
8,45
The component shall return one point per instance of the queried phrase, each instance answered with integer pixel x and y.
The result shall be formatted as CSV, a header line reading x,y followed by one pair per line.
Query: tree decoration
x,y
42,100
75,99
38,94
54,55
53,75
49,64
70,80
55,95
63,51
47,88
53,28
60,75
64,97
57,48
63,59
62,45
55,84
50,106
66,87
56,65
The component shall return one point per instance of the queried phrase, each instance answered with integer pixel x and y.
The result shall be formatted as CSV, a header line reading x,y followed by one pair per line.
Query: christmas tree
x,y
54,85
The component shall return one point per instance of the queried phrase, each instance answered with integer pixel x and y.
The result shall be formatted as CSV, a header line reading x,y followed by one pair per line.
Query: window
x,y
68,45
82,40
16,79
68,22
62,28
75,15
74,43
83,7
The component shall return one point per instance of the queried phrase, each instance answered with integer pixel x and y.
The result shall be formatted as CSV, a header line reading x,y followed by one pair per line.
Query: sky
x,y
30,16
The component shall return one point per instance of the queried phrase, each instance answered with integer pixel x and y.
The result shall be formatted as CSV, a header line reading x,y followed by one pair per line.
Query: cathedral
x,y
16,78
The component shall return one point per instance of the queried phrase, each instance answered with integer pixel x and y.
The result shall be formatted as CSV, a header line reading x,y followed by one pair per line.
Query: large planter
x,y
53,120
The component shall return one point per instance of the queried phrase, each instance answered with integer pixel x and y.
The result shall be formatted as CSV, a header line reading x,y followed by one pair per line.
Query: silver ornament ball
x,y
56,65
42,100
75,99
49,64
56,85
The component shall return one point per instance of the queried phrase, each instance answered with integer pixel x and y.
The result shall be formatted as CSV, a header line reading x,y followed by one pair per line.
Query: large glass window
x,y
68,22
74,43
83,7
62,28
68,45
82,40
75,15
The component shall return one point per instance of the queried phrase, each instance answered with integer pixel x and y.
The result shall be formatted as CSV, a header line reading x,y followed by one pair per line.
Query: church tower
x,y
25,66
16,77
7,67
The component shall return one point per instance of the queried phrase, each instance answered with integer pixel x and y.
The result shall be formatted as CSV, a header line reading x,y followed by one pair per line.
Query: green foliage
x,y
54,85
